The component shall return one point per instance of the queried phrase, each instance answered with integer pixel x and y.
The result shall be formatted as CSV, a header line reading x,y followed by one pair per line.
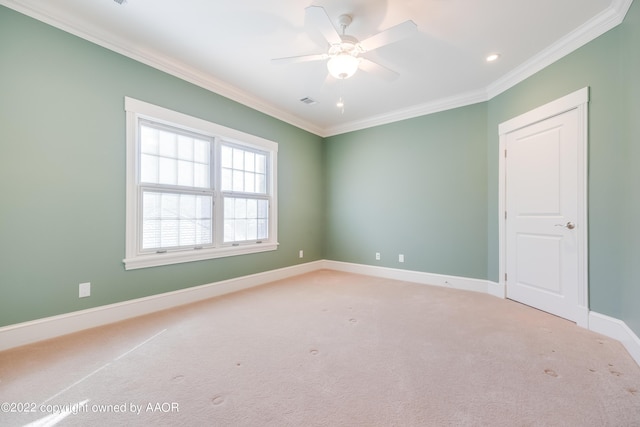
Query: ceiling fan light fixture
x,y
343,65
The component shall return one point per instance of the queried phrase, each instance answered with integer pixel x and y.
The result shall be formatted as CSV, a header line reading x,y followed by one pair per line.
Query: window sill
x,y
177,257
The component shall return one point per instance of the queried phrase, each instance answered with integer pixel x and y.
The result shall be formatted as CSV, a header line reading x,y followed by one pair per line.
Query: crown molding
x,y
165,64
598,25
443,104
595,27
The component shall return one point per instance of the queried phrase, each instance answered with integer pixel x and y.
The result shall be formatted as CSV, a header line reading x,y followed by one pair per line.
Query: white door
x,y
544,225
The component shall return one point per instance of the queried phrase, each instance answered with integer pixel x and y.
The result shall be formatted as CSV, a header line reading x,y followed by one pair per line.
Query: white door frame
x,y
576,100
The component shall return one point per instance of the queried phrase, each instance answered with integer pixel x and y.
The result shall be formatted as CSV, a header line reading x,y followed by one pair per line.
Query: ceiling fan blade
x,y
378,70
302,58
390,35
317,16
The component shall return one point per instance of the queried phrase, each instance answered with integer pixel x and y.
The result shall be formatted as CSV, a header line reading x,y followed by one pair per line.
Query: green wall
x,y
425,187
416,187
630,67
62,175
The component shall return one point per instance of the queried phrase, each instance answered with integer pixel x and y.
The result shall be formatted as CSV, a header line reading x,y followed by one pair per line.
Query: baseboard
x,y
454,282
618,330
496,289
582,316
51,327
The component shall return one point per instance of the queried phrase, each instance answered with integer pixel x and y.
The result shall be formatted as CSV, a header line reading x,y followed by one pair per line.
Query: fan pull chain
x,y
340,103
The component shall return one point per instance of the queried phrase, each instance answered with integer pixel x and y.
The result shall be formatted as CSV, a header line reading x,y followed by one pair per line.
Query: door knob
x,y
569,225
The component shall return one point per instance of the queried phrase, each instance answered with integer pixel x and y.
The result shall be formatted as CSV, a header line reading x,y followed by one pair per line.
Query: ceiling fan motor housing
x,y
348,45
345,21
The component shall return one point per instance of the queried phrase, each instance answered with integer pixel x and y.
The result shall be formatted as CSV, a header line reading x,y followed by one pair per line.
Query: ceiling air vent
x,y
308,101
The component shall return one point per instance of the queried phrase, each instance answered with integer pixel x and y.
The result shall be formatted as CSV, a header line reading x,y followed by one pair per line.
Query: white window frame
x,y
135,257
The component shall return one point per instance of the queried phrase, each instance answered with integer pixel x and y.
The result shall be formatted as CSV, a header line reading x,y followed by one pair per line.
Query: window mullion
x,y
218,205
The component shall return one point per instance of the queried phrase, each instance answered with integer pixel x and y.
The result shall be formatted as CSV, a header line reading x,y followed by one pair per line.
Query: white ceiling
x,y
227,46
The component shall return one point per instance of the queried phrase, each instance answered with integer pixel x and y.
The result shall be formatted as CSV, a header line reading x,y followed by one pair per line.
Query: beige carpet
x,y
328,349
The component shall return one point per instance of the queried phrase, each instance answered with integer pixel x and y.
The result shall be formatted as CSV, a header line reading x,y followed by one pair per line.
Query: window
x,y
244,187
195,190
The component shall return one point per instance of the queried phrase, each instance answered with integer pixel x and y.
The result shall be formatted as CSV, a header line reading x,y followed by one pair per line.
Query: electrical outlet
x,y
377,256
401,258
301,253
84,290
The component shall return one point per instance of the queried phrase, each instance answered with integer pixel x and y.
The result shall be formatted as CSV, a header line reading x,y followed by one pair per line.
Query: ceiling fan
x,y
344,54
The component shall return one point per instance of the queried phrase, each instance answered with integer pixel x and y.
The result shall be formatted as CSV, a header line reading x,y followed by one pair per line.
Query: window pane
x,y
238,180
187,207
170,158
152,203
245,219
243,170
226,184
149,169
168,171
201,151
241,208
238,159
263,209
229,208
229,230
201,177
176,220
169,204
249,161
261,163
250,182
252,229
151,233
263,230
185,173
148,140
261,184
240,229
185,148
252,208
203,207
227,156
169,233
168,146
187,236
203,232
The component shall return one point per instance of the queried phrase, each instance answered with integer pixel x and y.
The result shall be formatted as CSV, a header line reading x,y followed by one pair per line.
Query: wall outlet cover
x,y
84,290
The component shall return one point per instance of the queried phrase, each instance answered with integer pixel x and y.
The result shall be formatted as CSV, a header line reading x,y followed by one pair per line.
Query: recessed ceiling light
x,y
492,57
